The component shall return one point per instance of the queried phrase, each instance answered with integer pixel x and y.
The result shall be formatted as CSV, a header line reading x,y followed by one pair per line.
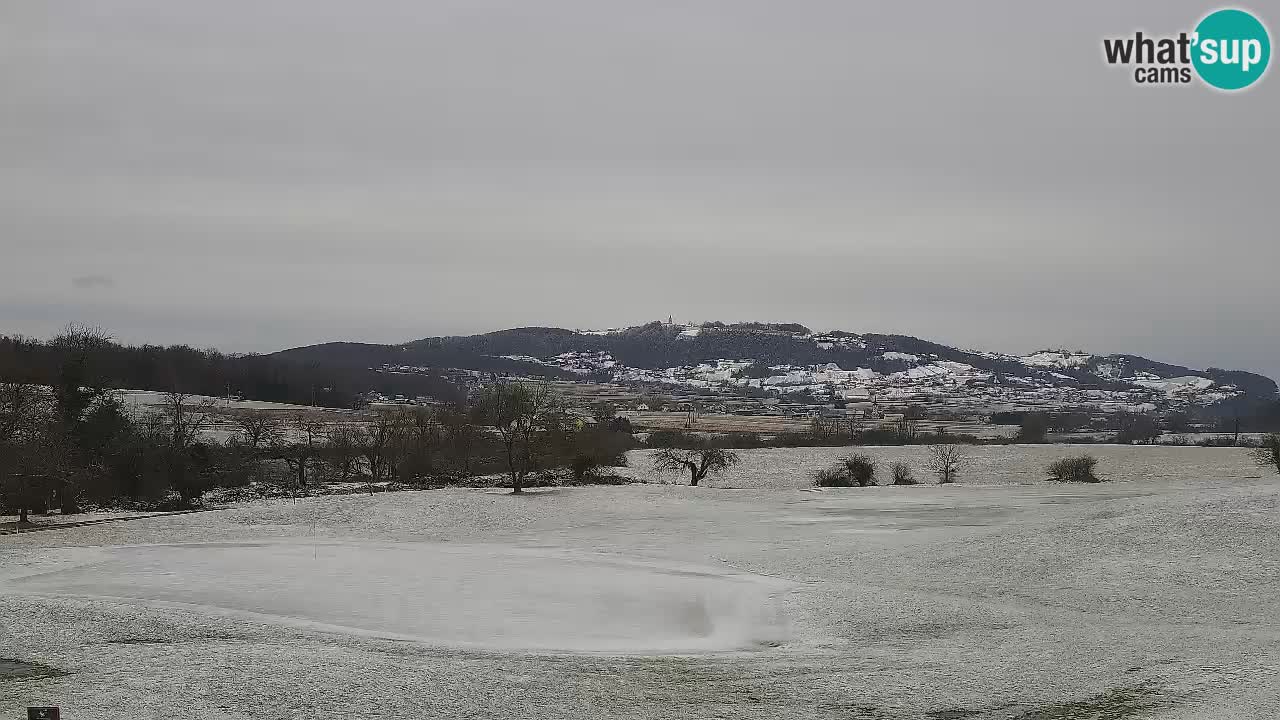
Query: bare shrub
x,y
1267,454
902,474
861,469
835,476
1074,469
946,461
856,470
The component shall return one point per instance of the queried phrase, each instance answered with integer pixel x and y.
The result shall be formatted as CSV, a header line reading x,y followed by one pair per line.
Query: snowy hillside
x,y
792,361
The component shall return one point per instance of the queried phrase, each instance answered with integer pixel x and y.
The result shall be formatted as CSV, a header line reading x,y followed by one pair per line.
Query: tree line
x,y
72,441
105,363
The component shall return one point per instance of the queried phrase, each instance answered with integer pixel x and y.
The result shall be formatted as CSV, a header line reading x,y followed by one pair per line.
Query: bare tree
x,y
946,461
341,449
907,430
374,441
1267,454
184,417
419,437
258,438
257,430
700,462
300,451
400,445
518,411
461,435
77,386
826,427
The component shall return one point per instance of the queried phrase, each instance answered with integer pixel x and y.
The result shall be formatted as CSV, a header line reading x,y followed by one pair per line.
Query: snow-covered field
x,y
1002,597
151,398
984,465
488,597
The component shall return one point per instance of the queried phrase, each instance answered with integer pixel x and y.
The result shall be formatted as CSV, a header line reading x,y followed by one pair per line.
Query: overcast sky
x,y
254,175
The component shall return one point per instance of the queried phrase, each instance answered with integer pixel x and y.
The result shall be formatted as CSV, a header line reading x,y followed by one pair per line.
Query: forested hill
x,y
660,345
751,357
98,362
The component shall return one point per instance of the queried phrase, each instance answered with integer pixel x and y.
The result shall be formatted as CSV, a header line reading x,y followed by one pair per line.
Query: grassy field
x,y
1002,597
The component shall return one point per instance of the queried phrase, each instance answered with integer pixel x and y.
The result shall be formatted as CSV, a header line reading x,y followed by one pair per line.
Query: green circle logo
x,y
1232,49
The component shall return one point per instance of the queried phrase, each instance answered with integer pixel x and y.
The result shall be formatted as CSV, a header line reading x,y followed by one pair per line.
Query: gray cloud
x,y
85,282
254,175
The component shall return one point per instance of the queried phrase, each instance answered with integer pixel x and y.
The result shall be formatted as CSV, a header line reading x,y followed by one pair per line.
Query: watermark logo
x,y
1229,49
1234,49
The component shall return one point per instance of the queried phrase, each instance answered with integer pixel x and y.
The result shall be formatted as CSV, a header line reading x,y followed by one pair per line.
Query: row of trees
x,y
105,363
1140,428
410,445
1132,428
832,432
61,449
69,433
63,446
517,428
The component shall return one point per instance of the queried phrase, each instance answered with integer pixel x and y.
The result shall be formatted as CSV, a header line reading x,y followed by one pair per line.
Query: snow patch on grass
x,y
470,596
